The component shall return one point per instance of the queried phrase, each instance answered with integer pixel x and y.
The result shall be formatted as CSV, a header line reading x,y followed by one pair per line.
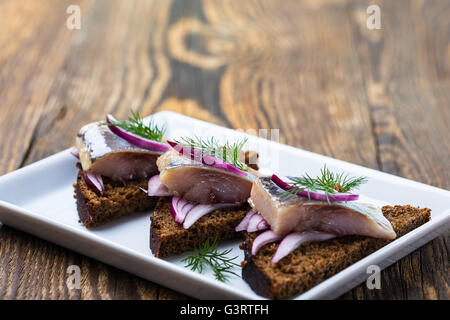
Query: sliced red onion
x,y
264,238
188,213
293,240
257,223
156,188
316,195
184,207
253,222
95,181
207,159
243,225
198,211
135,139
263,225
74,152
177,214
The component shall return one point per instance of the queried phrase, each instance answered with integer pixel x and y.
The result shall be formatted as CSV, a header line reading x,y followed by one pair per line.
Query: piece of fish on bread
x,y
319,238
124,168
168,237
104,153
201,184
314,262
299,214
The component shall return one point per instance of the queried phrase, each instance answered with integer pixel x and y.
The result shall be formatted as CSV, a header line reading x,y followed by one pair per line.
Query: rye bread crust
x,y
119,198
314,262
169,237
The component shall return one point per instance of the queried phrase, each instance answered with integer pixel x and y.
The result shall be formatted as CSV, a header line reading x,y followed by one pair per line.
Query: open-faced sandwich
x,y
297,232
311,228
204,187
116,159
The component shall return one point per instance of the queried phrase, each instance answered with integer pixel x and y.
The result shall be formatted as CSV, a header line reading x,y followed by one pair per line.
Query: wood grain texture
x,y
378,98
406,68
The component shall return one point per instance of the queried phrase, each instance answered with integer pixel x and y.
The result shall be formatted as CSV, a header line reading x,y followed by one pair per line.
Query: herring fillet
x,y
199,183
104,153
299,214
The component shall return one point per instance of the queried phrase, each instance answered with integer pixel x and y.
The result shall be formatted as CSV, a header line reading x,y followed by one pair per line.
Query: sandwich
x,y
203,188
116,159
296,232
300,233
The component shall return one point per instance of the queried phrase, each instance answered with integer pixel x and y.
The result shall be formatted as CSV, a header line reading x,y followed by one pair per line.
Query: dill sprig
x,y
327,182
134,124
228,152
207,255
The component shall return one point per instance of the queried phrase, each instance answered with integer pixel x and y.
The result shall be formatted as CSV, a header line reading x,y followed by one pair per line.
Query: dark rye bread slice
x,y
118,198
314,262
169,237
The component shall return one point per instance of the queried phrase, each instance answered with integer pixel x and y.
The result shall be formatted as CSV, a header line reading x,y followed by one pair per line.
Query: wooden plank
x,y
101,69
28,70
298,86
406,71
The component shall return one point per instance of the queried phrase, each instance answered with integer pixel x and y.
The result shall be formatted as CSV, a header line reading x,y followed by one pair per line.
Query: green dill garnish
x,y
135,125
327,182
227,152
207,255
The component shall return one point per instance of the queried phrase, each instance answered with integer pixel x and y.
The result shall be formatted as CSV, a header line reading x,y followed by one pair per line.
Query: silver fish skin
x,y
105,153
299,214
199,183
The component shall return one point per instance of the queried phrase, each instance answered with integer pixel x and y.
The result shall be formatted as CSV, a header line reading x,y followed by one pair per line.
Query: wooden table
x,y
378,98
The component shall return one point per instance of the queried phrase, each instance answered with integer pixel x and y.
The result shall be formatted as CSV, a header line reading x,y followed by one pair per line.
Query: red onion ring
x,y
263,225
188,213
243,225
253,223
198,211
257,223
206,159
176,213
295,239
316,195
156,188
264,238
135,139
95,181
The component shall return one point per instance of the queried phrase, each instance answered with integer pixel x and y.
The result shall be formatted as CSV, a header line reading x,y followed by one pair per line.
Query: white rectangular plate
x,y
39,199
